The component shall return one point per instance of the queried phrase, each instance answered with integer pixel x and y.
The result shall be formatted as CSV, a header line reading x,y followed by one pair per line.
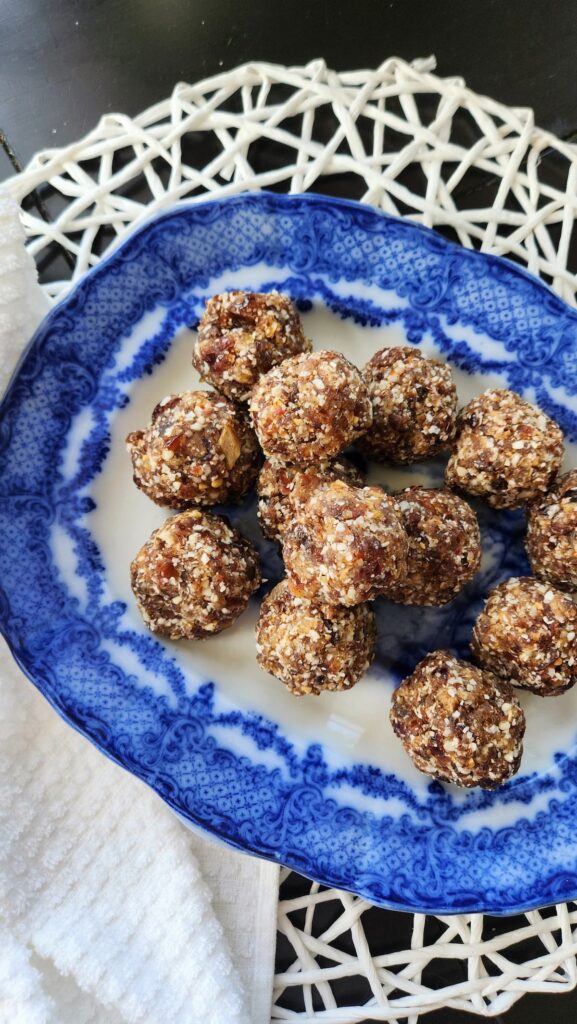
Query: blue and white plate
x,y
320,784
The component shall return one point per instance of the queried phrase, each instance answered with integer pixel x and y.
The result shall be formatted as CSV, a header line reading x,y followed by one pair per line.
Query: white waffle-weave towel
x,y
106,909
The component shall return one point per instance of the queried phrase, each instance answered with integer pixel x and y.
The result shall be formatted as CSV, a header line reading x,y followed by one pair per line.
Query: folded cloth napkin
x,y
105,911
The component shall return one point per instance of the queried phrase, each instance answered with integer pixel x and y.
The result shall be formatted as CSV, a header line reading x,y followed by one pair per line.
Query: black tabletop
x,y
64,64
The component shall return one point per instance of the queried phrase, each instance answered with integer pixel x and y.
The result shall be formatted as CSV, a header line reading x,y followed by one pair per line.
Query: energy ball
x,y
346,545
507,451
276,483
199,449
459,724
527,633
314,647
242,335
194,576
552,534
310,408
444,546
414,403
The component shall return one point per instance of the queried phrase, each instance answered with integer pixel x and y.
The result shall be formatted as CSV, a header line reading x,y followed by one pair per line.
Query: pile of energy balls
x,y
344,544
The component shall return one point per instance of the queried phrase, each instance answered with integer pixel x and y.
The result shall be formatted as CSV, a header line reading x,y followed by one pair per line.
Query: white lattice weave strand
x,y
492,980
406,141
379,125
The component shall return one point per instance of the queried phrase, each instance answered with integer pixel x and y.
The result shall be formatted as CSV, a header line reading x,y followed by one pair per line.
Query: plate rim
x,y
40,682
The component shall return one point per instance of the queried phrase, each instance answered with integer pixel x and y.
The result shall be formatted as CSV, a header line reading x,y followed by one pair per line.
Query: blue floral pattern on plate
x,y
233,770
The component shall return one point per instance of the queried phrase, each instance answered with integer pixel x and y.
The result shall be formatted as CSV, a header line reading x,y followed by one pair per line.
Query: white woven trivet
x,y
411,143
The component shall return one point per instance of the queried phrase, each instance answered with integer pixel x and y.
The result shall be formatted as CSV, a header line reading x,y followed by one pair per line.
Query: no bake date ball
x,y
459,724
313,647
194,576
310,408
506,451
242,335
346,545
444,546
199,449
414,402
276,485
527,633
552,534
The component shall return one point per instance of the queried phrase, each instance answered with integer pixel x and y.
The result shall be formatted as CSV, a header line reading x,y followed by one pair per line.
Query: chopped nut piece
x,y
230,444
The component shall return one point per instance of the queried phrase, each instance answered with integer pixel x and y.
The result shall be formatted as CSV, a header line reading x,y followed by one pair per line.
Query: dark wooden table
x,y
64,64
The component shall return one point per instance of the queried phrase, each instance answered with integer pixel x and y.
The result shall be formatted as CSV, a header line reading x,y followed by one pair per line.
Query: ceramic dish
x,y
319,784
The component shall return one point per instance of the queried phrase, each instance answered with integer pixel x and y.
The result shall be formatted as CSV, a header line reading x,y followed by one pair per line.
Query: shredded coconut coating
x,y
194,576
314,647
414,403
459,724
276,484
346,545
199,449
444,546
527,633
242,335
552,534
507,451
310,408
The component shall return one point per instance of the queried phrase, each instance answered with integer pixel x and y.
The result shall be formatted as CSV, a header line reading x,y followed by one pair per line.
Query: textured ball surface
x,y
346,545
276,485
527,633
552,534
507,451
414,402
444,546
194,576
199,449
312,647
458,723
242,335
310,408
